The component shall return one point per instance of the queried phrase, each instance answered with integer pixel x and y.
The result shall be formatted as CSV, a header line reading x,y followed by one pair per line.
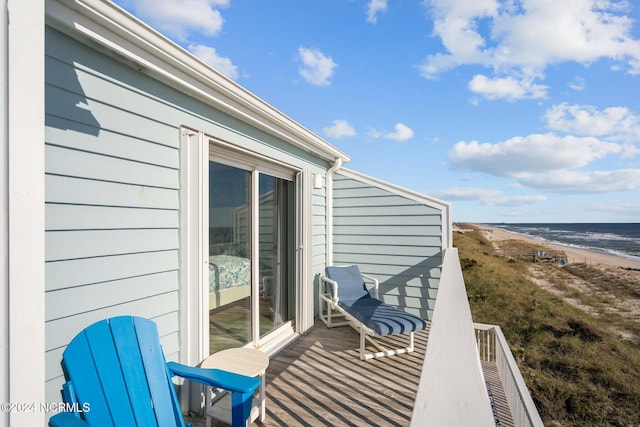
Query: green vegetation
x,y
580,369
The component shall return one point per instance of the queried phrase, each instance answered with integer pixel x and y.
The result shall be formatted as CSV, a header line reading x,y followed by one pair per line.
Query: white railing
x,y
492,347
452,390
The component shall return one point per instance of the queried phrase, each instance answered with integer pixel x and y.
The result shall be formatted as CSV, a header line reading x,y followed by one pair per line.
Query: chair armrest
x,y
373,281
215,378
67,419
333,289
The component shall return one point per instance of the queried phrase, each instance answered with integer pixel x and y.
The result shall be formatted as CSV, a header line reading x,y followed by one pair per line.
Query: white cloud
x,y
518,200
486,196
578,84
617,122
518,40
374,133
509,88
179,18
567,181
374,8
464,193
548,162
537,153
211,57
316,68
339,129
402,133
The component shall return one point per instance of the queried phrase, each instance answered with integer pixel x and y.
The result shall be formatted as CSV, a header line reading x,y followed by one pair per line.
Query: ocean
x,y
622,239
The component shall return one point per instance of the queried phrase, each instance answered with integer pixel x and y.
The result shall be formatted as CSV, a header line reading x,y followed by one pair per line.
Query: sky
x,y
510,110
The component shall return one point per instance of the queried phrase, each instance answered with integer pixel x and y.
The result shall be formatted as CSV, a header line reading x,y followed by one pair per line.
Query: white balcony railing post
x,y
493,347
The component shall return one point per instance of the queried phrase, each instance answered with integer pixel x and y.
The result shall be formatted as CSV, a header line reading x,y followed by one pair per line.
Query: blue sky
x,y
511,110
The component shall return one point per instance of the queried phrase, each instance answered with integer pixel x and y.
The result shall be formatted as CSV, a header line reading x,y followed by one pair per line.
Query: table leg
x,y
262,397
207,405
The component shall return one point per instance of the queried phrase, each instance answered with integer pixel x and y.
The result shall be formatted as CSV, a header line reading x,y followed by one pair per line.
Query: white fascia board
x,y
104,24
411,195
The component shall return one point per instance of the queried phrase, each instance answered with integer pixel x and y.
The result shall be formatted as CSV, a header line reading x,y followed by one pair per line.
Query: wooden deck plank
x,y
320,380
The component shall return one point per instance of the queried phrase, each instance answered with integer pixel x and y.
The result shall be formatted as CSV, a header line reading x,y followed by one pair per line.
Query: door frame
x,y
197,148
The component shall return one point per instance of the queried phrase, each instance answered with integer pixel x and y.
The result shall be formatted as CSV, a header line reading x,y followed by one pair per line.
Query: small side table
x,y
244,361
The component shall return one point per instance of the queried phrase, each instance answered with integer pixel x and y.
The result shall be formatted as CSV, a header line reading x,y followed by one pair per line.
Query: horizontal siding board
x,y
407,291
63,245
319,259
167,323
108,92
377,220
359,258
84,217
403,301
107,294
318,211
69,162
394,274
393,240
170,345
70,134
397,274
61,331
86,271
390,201
413,251
102,193
428,213
53,369
388,230
357,193
318,230
78,107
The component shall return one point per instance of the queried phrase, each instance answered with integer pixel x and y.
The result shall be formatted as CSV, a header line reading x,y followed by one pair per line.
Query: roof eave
x,y
105,24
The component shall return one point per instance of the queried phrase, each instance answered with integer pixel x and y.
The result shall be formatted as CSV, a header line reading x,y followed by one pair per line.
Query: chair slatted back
x,y
117,367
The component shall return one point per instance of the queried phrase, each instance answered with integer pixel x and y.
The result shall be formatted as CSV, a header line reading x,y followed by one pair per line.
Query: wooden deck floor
x,y
319,380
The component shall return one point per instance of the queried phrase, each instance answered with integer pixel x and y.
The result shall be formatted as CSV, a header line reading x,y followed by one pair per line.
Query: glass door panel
x,y
275,252
229,257
250,294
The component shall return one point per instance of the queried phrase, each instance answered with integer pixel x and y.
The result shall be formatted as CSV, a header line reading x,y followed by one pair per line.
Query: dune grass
x,y
578,368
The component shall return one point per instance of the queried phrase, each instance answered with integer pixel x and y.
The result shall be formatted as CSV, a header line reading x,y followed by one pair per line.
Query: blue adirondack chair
x,y
118,376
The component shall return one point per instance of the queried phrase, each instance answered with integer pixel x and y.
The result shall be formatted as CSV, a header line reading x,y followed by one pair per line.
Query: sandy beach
x,y
573,254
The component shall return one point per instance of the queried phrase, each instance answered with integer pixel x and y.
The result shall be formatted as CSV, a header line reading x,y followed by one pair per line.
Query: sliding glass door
x,y
251,254
275,260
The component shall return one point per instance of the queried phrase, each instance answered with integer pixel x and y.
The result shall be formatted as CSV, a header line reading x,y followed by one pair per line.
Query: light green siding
x,y
112,183
111,202
390,236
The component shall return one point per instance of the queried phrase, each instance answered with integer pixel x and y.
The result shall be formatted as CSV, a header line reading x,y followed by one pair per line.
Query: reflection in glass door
x,y
275,260
229,257
241,311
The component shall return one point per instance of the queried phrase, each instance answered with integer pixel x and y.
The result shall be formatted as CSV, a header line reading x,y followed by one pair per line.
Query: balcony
x,y
320,380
